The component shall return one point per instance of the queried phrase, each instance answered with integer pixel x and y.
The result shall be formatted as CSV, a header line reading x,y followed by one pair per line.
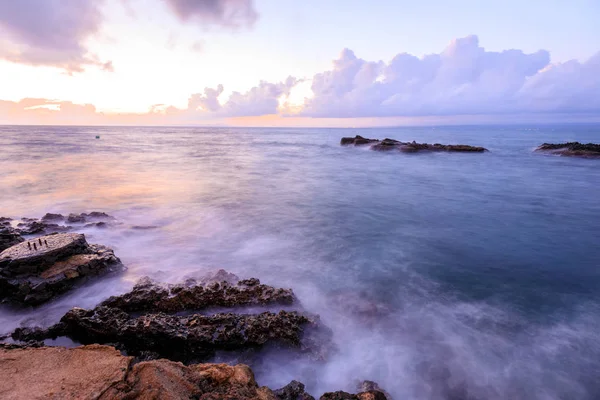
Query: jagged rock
x,y
410,147
574,149
53,217
357,141
9,237
100,224
183,338
370,386
368,395
293,391
33,227
75,218
34,271
148,295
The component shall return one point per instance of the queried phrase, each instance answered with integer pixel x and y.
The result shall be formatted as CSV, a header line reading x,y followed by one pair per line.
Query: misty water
x,y
441,275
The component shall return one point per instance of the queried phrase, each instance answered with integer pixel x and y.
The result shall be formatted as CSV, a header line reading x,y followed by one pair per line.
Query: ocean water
x,y
442,276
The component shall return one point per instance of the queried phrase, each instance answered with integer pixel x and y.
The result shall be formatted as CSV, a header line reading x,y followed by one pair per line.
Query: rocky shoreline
x,y
102,373
152,342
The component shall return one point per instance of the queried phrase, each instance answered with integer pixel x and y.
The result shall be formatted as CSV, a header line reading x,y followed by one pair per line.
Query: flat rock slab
x,y
33,255
36,270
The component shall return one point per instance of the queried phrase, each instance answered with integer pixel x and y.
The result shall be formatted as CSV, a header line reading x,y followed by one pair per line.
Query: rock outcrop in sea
x,y
34,271
102,373
154,321
572,149
409,147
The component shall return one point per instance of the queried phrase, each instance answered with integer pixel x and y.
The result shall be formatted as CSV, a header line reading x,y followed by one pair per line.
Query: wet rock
x,y
370,386
76,218
189,339
96,225
34,227
572,149
293,391
53,217
368,395
36,270
411,147
148,295
9,237
357,141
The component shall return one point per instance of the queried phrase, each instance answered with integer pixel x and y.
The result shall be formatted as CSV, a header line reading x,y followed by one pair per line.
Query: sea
x,y
440,275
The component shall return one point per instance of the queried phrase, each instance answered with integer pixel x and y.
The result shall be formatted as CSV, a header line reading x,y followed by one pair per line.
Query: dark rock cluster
x,y
36,270
574,149
409,147
151,321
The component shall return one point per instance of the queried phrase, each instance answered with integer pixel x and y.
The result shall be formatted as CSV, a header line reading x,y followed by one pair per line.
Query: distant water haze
x,y
442,275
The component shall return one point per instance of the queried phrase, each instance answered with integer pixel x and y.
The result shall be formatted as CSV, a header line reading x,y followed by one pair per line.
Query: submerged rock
x,y
189,337
411,147
573,149
53,217
36,270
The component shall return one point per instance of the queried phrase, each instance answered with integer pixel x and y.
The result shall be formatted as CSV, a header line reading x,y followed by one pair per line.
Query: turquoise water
x,y
443,276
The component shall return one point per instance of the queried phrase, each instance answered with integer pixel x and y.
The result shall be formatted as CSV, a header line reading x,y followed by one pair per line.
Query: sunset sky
x,y
309,63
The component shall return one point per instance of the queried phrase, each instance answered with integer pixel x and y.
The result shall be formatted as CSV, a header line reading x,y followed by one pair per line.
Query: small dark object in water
x,y
40,240
29,245
97,136
34,246
46,242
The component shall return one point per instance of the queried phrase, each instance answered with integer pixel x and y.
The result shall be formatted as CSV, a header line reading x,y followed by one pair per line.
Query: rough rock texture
x,y
36,270
101,372
148,295
357,141
293,391
9,237
368,395
190,337
574,149
410,147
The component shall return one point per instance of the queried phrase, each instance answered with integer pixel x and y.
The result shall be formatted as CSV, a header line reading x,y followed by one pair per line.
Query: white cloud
x,y
462,79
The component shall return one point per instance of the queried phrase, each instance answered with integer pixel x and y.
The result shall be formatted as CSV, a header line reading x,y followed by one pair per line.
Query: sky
x,y
310,63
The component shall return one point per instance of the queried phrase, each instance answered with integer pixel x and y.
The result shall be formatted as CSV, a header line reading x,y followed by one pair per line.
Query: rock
x,y
410,147
189,338
74,218
368,395
96,225
95,215
33,227
101,372
9,237
293,391
34,271
370,386
157,320
573,149
148,295
53,217
357,141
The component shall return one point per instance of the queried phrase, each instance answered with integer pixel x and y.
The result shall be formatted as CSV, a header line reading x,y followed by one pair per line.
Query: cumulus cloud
x,y
259,100
50,32
226,13
462,79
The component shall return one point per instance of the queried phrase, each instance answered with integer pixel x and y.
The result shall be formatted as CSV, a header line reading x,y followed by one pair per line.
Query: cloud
x,y
259,100
463,79
225,13
50,32
55,32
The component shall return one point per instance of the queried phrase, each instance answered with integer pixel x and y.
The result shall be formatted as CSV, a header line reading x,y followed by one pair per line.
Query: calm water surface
x,y
442,276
